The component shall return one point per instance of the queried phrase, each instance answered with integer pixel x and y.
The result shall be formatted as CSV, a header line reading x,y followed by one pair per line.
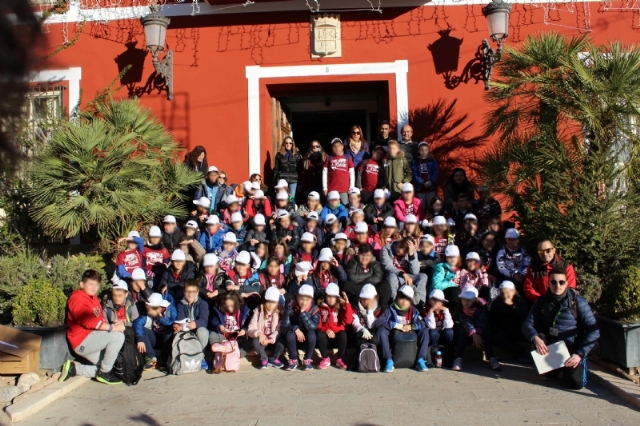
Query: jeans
x,y
91,348
353,292
385,338
441,337
277,349
464,340
150,340
292,189
309,344
339,341
419,286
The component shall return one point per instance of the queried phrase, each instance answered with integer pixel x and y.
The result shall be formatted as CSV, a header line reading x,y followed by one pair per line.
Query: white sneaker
x,y
457,364
495,365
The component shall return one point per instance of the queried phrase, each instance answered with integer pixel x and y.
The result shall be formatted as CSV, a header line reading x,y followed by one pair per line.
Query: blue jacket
x,y
358,158
166,320
442,277
476,323
305,321
189,272
215,194
241,233
391,320
580,333
218,318
340,211
198,312
432,170
122,272
212,243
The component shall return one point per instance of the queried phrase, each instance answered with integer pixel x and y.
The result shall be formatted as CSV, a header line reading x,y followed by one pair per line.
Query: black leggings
x,y
323,341
353,292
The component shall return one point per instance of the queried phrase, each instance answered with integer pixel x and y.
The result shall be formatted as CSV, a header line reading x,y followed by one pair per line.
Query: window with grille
x,y
43,108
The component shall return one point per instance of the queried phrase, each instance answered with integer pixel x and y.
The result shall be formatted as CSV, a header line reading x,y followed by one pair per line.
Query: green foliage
x,y
15,271
589,286
113,170
65,272
39,303
623,295
562,125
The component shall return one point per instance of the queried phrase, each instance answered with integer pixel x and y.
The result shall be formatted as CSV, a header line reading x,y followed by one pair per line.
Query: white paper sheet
x,y
557,356
185,324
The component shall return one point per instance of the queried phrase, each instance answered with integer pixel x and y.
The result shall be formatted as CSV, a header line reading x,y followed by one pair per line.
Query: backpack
x,y
405,349
227,356
186,354
130,362
368,361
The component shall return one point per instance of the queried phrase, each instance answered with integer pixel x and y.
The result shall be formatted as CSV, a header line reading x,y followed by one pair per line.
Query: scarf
x,y
287,154
554,298
355,146
368,314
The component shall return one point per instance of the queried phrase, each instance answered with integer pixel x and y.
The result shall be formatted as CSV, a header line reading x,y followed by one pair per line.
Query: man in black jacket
x,y
383,136
365,269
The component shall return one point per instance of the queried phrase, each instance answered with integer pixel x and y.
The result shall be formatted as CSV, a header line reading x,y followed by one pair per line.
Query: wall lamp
x,y
155,33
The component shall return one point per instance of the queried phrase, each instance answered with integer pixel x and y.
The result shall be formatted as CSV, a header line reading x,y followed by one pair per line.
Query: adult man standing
x,y
407,144
89,334
537,280
383,137
563,315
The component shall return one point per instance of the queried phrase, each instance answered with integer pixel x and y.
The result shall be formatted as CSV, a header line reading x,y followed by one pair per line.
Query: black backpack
x,y
130,362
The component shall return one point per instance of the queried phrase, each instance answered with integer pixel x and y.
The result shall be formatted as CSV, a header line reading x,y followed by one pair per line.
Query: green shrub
x,y
65,272
39,304
622,295
589,286
15,271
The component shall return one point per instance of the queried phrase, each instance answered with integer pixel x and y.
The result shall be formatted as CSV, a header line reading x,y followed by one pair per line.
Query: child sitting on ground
x,y
211,279
229,252
211,238
439,321
264,328
299,324
196,310
230,321
473,275
154,255
131,258
367,317
446,277
256,235
155,325
335,314
119,306
335,207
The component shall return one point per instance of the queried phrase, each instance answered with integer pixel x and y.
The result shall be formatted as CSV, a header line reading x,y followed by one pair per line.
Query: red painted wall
x,y
211,53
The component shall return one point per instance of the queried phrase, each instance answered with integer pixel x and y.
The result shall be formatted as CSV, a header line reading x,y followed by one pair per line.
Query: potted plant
x,y
39,308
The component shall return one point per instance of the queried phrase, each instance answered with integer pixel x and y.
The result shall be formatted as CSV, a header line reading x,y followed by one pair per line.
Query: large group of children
x,y
362,252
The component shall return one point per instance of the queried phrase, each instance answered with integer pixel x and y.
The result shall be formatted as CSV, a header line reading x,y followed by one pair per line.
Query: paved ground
x,y
476,396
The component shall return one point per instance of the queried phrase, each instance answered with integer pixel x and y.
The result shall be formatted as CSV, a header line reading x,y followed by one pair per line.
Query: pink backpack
x,y
227,356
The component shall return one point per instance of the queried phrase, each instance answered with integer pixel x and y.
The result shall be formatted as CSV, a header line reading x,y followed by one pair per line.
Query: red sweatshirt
x,y
251,210
338,175
152,256
84,315
130,259
369,172
334,320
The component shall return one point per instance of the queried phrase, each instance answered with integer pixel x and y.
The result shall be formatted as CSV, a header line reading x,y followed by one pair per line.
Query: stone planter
x,y
54,350
619,342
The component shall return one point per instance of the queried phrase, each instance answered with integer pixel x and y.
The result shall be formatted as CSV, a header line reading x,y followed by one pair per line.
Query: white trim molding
x,y
72,75
254,73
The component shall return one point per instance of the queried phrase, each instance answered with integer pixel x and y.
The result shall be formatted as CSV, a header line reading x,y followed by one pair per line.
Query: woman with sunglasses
x,y
287,164
537,281
311,175
355,146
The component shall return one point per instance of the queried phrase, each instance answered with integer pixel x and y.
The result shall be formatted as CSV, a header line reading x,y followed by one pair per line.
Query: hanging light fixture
x,y
155,32
497,15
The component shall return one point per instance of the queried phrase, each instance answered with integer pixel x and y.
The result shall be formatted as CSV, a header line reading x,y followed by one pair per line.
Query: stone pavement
x,y
477,395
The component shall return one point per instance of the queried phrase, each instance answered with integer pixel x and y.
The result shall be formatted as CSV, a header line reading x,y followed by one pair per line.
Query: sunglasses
x,y
223,177
557,282
288,143
355,133
546,251
315,147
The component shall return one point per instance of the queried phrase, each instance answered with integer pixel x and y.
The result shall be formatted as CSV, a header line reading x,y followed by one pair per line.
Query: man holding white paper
x,y
563,315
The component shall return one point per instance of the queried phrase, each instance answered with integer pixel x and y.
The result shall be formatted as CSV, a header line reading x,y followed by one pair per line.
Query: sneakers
x,y
388,366
421,365
275,363
457,364
495,365
308,366
204,365
264,364
107,378
324,363
150,363
293,364
68,370
340,364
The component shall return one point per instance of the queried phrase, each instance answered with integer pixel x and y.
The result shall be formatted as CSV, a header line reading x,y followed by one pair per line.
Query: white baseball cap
x,y
255,185
155,231
120,285
451,251
333,195
332,290
438,295
512,234
407,291
230,237
156,301
281,184
192,224
356,210
407,187
469,293
232,199
303,268
473,256
508,284
379,193
439,220
308,237
259,220
305,290
215,220
138,274
362,228
411,218
354,190
248,186
281,196
236,217
210,259
169,219
282,213
314,195
470,216
341,236
312,216
390,222
212,169
133,234
202,201
259,194
243,258
428,238
178,256
451,222
368,291
272,294
326,255
330,219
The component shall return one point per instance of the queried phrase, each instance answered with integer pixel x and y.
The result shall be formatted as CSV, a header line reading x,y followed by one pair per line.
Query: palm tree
x,y
108,172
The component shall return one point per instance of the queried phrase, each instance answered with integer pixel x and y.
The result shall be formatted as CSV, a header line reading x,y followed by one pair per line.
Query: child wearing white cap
x,y
355,198
131,258
282,201
475,328
230,320
140,288
376,211
327,270
257,233
202,212
312,204
258,204
402,317
368,174
468,238
341,248
411,229
264,329
338,172
427,254
233,206
407,204
211,238
154,255
361,234
171,233
311,224
335,316
387,234
513,260
473,275
176,275
336,208
367,317
154,326
229,251
331,228
400,262
506,316
299,325
240,274
439,321
307,250
211,279
356,217
283,227
119,306
446,275
196,310
441,235
192,230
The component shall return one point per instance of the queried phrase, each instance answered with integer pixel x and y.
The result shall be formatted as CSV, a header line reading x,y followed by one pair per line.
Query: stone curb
x,y
38,400
623,388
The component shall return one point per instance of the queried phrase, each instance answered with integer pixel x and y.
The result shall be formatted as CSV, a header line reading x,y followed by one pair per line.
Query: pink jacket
x,y
475,279
257,324
399,208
